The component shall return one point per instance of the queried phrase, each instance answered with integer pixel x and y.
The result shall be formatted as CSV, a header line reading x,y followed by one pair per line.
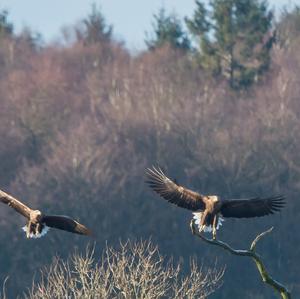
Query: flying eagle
x,y
38,224
209,210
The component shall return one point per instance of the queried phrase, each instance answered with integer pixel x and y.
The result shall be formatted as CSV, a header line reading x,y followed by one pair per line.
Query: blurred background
x,y
94,93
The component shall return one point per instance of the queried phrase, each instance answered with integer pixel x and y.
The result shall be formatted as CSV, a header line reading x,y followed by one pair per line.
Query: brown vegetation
x,y
135,270
79,125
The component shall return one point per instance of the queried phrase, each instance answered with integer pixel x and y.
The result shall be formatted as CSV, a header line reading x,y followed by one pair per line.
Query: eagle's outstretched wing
x,y
172,192
253,207
15,204
66,223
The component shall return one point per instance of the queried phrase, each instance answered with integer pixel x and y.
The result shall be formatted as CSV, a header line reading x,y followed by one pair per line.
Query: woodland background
x,y
82,119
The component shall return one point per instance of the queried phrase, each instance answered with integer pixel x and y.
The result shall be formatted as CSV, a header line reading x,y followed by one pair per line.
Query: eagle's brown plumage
x,y
38,222
211,206
15,204
172,192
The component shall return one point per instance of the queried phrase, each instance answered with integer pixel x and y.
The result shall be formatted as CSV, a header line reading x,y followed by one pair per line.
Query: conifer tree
x,y
167,31
6,28
234,38
94,28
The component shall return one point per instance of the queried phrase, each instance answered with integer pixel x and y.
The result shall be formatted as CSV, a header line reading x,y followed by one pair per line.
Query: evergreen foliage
x,y
234,38
168,31
6,28
94,28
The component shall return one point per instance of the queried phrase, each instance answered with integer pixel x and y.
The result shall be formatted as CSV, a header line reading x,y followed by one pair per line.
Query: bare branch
x,y
266,278
3,295
258,237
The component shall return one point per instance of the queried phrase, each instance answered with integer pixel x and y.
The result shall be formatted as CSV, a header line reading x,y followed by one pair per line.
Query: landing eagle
x,y
209,210
38,223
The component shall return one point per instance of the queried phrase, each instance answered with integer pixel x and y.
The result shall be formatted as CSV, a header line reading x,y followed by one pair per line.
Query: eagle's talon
x,y
201,229
214,236
28,230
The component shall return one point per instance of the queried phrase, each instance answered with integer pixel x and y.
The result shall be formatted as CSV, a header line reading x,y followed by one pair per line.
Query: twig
x,y
266,278
4,287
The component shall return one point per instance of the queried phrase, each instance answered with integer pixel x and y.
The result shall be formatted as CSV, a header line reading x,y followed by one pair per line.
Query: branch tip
x,y
258,237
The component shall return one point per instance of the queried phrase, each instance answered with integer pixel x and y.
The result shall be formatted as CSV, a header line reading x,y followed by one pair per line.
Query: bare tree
x,y
136,270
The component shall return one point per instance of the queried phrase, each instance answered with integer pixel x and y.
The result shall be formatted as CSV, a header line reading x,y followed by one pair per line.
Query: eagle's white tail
x,y
38,235
207,229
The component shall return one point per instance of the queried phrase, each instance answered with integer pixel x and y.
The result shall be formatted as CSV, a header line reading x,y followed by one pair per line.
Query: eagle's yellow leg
x,y
201,229
28,229
215,227
202,222
37,228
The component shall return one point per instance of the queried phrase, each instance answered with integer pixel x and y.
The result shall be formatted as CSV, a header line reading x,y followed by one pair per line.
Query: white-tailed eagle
x,y
209,209
38,223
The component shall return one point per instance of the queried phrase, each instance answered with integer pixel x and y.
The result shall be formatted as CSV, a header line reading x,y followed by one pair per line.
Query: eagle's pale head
x,y
213,198
35,216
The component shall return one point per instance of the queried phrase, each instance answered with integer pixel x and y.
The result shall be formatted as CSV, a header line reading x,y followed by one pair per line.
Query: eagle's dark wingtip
x,y
83,230
156,177
278,202
157,180
154,174
90,234
279,199
150,171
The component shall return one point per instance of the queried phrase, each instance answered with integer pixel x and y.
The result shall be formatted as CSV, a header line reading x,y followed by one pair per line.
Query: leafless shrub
x,y
136,270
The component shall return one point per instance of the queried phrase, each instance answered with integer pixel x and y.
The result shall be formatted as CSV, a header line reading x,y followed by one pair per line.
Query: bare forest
x,y
81,120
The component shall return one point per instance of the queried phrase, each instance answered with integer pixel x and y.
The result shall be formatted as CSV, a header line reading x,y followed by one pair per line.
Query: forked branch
x,y
266,278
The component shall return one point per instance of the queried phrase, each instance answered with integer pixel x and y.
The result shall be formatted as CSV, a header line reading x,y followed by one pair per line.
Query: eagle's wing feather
x,y
172,192
253,207
15,204
65,223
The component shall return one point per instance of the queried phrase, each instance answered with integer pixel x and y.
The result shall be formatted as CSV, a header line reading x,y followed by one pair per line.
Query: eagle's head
x,y
35,216
213,198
